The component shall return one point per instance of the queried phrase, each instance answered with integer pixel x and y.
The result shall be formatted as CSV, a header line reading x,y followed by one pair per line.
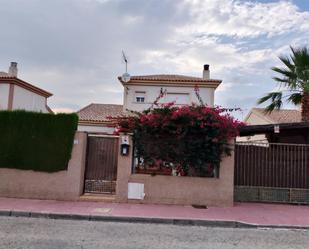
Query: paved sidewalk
x,y
256,214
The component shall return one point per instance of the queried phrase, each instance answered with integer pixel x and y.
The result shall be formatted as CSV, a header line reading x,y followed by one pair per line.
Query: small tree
x,y
191,138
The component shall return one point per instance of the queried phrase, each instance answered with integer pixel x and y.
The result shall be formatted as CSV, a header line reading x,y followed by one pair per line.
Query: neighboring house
x,y
94,118
286,133
257,117
140,92
16,94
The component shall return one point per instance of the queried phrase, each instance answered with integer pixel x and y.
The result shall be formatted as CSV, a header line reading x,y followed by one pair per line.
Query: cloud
x,y
244,18
73,47
239,39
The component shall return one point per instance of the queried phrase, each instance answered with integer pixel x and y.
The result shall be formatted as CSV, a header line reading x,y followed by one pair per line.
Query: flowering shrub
x,y
189,139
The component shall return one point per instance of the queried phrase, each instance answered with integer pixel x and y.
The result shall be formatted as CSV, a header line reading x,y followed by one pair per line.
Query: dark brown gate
x,y
271,172
101,164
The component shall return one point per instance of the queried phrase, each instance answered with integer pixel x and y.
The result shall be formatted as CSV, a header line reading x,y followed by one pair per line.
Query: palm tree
x,y
294,78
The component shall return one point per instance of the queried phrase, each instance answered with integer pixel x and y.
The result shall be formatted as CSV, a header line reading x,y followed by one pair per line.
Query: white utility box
x,y
136,191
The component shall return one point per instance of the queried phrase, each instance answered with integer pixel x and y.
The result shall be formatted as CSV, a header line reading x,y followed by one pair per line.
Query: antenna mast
x,y
125,77
125,59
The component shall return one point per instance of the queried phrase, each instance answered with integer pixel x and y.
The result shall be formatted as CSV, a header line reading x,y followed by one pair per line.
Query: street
x,y
30,233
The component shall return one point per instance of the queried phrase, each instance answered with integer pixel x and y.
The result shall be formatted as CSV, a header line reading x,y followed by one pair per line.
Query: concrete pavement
x,y
241,215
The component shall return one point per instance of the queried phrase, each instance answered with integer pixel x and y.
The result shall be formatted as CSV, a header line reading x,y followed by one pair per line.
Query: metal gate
x,y
271,172
101,164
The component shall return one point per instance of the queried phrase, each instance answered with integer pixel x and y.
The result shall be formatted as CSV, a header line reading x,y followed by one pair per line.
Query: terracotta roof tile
x,y
170,78
166,77
281,116
99,112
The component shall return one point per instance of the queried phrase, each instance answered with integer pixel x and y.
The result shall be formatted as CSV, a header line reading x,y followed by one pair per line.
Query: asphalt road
x,y
30,233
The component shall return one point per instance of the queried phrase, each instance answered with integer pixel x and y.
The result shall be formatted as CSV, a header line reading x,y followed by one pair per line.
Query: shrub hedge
x,y
36,141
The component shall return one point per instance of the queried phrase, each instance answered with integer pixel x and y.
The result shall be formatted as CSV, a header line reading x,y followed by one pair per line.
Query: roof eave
x,y
267,128
183,83
96,122
26,85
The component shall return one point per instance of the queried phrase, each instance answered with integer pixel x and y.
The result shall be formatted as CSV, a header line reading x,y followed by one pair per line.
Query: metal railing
x,y
272,165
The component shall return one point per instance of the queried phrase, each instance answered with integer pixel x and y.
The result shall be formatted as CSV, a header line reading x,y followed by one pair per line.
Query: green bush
x,y
36,141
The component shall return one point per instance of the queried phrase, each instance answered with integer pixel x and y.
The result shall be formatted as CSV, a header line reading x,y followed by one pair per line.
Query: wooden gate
x,y
271,172
101,164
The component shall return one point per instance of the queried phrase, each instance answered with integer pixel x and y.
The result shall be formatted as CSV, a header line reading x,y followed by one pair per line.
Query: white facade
x,y
140,93
27,100
181,95
16,94
96,129
4,96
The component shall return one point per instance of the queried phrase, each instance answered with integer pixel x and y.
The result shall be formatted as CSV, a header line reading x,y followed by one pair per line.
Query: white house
x,y
16,94
140,92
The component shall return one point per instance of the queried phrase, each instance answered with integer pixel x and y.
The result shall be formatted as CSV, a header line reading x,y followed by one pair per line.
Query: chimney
x,y
206,72
13,69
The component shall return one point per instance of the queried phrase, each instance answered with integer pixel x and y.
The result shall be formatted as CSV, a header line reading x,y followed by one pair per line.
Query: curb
x,y
146,220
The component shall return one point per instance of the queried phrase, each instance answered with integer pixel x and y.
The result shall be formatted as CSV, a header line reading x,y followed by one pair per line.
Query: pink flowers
x,y
167,105
182,118
192,137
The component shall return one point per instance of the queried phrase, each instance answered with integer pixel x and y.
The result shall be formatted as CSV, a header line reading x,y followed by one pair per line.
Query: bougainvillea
x,y
188,139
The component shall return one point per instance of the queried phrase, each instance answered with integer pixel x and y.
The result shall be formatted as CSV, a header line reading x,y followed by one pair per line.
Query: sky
x,y
72,48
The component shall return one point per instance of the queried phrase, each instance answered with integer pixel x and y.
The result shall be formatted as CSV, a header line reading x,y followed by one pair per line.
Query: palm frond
x,y
294,54
300,56
294,76
281,80
306,86
274,105
302,66
275,98
285,72
286,61
295,98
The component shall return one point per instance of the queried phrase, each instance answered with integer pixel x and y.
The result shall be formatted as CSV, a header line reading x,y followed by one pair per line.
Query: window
x,y
140,97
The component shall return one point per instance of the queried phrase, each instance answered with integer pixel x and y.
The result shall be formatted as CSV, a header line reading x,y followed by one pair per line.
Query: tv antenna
x,y
125,60
125,77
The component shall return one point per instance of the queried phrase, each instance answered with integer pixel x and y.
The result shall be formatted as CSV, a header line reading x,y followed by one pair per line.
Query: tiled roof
x,y
99,112
166,77
6,78
281,116
170,78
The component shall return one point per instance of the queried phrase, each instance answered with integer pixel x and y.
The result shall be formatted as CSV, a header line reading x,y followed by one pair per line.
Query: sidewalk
x,y
241,215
